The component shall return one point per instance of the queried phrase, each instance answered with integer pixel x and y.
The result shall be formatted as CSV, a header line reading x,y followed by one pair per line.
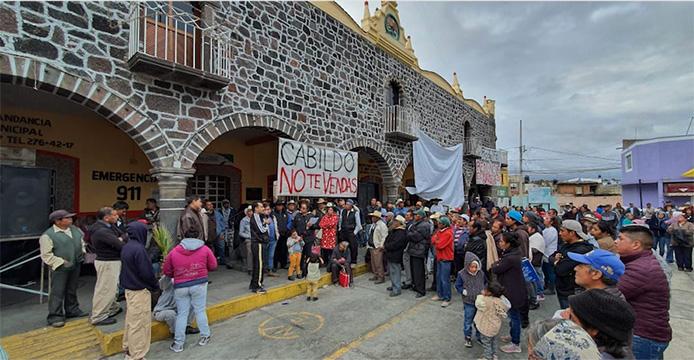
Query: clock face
x,y
392,27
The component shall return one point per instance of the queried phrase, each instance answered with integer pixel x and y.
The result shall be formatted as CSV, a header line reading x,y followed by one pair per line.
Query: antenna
x,y
690,125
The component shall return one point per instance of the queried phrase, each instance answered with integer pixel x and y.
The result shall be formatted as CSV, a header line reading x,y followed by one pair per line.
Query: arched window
x,y
393,93
468,131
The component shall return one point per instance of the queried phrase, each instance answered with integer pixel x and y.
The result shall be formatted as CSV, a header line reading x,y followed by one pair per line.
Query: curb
x,y
111,343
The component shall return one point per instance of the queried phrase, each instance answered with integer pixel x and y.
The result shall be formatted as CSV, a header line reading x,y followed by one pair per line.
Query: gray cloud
x,y
582,76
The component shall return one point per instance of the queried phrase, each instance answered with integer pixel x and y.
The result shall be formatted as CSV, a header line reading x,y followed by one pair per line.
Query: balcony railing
x,y
168,43
472,146
503,157
401,122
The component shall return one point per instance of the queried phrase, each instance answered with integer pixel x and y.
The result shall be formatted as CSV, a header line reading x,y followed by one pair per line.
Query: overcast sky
x,y
581,76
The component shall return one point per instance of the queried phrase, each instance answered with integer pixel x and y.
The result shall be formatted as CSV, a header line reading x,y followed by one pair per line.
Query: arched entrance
x,y
239,165
59,150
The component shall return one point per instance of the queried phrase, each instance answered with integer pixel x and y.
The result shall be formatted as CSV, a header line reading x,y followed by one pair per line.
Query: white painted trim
x,y
657,140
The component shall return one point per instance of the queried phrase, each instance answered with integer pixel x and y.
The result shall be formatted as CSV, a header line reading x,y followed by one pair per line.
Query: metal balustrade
x,y
162,34
401,122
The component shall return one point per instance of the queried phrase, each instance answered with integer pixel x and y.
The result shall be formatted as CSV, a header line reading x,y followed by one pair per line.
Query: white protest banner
x,y
309,170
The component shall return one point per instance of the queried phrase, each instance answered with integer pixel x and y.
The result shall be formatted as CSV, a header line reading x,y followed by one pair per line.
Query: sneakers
x,y
394,294
445,303
191,330
204,340
468,342
510,348
436,298
57,324
107,321
540,297
291,278
260,291
177,348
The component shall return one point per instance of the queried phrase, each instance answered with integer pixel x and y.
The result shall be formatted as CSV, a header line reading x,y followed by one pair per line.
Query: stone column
x,y
172,194
391,192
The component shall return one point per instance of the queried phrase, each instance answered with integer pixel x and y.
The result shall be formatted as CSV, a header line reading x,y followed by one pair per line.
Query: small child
x,y
492,307
470,283
295,245
313,276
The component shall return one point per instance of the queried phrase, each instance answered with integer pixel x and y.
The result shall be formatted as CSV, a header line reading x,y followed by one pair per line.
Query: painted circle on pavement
x,y
290,325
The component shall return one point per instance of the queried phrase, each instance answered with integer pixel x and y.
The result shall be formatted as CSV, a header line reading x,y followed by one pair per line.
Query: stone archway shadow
x,y
197,143
380,155
149,137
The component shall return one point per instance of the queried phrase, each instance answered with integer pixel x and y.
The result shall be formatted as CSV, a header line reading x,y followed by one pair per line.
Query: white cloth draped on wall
x,y
438,171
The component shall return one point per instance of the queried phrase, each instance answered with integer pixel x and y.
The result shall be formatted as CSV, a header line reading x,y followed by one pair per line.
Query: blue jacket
x,y
136,268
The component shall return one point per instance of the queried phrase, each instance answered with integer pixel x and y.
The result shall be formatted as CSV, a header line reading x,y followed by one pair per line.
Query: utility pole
x,y
520,162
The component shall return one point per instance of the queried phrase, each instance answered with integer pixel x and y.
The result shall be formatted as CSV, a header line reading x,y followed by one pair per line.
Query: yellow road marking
x,y
373,333
290,325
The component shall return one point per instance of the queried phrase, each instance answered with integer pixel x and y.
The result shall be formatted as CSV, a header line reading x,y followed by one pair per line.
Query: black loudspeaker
x,y
25,201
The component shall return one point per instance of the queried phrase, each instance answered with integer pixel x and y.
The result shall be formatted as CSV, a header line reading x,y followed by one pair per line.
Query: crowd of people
x,y
606,266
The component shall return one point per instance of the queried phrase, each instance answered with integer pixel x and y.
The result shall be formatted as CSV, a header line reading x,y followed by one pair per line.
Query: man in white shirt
x,y
378,236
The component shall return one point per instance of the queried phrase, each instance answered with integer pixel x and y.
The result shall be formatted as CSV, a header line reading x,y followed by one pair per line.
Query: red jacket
x,y
646,289
443,243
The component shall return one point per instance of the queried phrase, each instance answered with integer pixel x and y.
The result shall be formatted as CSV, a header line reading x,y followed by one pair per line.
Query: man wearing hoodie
x,y
470,283
137,278
165,310
188,264
574,241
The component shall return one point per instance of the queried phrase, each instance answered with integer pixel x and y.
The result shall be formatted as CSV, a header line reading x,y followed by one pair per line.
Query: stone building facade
x,y
304,70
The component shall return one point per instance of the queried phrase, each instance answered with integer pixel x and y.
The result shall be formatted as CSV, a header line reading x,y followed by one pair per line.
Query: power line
x,y
573,154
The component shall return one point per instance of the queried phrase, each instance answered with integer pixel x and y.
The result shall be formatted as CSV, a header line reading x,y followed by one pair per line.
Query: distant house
x,y
653,170
578,186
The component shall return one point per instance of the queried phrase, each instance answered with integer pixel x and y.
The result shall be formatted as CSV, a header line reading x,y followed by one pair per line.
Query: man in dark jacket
x,y
646,289
137,278
514,223
477,244
107,242
305,226
349,225
394,246
282,217
574,241
191,219
121,208
419,240
259,239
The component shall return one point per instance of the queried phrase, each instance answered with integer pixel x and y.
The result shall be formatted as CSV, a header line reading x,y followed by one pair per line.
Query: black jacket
x,y
302,228
395,245
419,239
566,283
510,274
257,235
282,218
478,246
136,269
104,238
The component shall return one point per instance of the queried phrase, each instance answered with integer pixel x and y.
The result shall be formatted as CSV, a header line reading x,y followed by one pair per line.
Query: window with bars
x,y
210,187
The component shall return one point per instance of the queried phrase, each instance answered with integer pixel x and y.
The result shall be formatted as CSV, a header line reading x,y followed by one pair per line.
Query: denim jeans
x,y
647,349
515,317
195,296
443,275
468,324
489,346
395,281
563,301
670,254
270,254
550,276
219,245
539,290
662,244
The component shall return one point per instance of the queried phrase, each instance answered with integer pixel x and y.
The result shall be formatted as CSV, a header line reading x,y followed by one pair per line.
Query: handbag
x,y
344,278
315,249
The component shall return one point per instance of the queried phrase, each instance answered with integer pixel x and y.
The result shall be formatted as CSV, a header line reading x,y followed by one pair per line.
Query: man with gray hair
x,y
107,242
62,249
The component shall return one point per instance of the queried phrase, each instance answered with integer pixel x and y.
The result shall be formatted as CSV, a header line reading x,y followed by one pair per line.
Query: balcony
x,y
171,43
401,123
472,147
503,157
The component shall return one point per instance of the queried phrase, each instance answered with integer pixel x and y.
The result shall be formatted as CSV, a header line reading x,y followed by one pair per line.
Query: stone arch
x,y
24,71
385,162
197,143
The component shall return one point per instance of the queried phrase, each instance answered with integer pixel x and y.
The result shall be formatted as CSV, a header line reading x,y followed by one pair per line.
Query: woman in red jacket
x,y
328,226
442,240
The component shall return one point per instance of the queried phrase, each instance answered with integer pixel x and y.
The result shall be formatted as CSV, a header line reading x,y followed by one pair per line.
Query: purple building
x,y
652,170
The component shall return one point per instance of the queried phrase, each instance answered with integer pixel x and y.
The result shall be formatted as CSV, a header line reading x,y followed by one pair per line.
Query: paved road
x,y
364,323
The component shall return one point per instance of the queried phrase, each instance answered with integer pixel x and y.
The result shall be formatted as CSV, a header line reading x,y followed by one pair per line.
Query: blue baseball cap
x,y
515,215
602,260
